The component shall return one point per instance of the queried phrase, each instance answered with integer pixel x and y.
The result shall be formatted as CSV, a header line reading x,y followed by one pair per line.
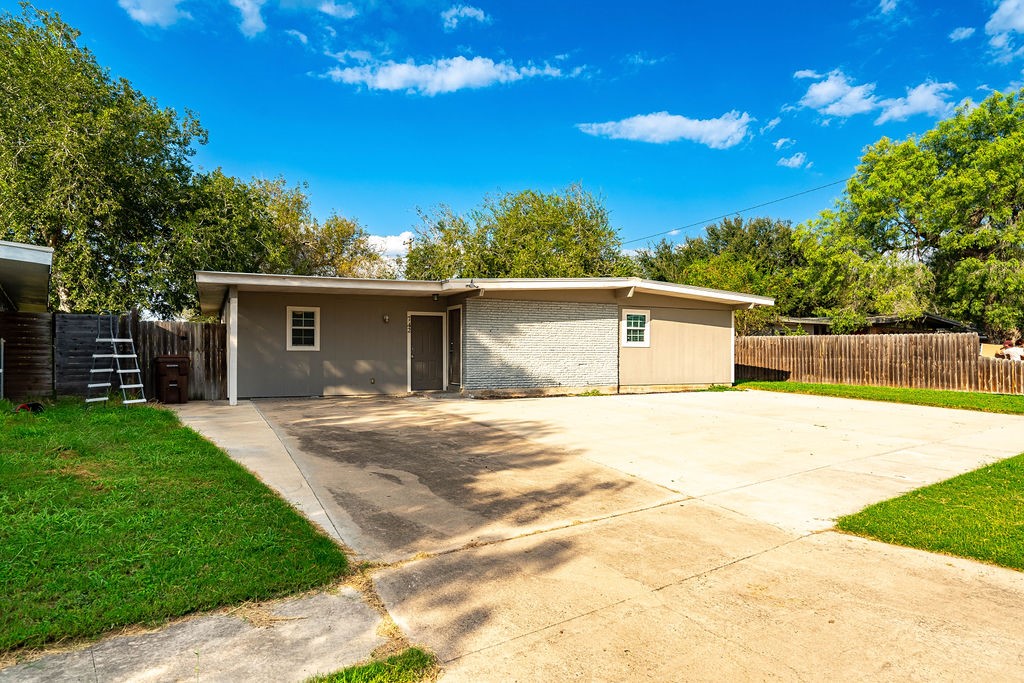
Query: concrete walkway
x,y
282,640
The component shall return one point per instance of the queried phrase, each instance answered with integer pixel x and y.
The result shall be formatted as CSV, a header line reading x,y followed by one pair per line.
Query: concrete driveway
x,y
660,537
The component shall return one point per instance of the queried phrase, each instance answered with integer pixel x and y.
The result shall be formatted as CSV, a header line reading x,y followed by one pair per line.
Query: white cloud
x,y
252,21
723,132
342,11
928,98
298,35
1008,18
440,76
641,59
798,160
770,125
887,6
961,33
160,13
807,73
836,96
783,142
392,245
457,13
345,55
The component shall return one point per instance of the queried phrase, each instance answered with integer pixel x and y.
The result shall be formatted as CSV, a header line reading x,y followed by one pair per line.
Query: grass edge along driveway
x,y
978,515
960,400
116,516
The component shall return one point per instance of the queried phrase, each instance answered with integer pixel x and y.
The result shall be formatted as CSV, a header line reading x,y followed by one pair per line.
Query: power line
x,y
733,213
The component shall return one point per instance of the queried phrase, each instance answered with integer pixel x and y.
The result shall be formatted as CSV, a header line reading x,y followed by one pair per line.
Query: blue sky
x,y
674,112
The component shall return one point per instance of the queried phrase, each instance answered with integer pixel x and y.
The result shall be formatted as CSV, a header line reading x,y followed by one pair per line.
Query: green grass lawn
x,y
114,516
409,666
979,514
964,400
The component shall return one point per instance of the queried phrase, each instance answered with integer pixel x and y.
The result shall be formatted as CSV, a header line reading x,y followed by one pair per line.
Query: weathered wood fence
x,y
925,361
52,353
28,353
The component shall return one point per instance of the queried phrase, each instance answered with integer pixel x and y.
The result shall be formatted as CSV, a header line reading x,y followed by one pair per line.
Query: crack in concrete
x,y
536,532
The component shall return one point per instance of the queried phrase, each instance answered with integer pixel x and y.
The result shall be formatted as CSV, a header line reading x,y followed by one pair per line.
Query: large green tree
x,y
846,279
757,256
336,247
523,234
94,169
949,200
88,165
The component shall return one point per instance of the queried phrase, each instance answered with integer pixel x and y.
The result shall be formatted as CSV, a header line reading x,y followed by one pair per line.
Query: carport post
x,y
232,320
732,348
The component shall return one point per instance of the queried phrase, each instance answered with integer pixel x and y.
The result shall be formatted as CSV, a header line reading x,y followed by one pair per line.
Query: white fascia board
x,y
257,281
27,253
211,281
648,286
535,284
704,294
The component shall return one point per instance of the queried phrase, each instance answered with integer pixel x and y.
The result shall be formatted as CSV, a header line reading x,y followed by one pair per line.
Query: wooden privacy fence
x,y
52,353
28,354
923,361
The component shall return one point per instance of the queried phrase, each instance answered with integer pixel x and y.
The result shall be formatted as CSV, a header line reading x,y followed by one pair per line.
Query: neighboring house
x,y
882,324
318,336
25,356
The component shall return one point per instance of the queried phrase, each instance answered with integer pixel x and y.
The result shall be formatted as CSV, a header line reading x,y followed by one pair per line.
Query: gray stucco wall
x,y
359,353
536,344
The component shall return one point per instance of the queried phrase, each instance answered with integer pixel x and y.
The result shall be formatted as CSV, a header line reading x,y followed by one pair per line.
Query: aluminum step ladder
x,y
121,363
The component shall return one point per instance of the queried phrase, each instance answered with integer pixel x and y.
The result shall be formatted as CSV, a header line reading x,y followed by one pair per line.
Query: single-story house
x,y
321,336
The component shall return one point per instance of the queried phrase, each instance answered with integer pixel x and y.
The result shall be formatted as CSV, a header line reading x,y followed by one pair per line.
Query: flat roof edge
x,y
313,282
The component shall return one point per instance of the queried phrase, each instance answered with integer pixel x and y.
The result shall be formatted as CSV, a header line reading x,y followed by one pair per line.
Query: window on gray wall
x,y
303,328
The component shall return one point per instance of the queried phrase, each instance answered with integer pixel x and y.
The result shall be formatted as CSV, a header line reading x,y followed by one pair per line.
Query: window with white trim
x,y
303,328
636,327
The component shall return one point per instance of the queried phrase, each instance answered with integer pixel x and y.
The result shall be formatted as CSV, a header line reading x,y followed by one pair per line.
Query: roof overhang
x,y
25,276
213,287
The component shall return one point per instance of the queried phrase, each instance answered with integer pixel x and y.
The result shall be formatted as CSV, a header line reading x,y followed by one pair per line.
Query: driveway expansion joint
x,y
302,472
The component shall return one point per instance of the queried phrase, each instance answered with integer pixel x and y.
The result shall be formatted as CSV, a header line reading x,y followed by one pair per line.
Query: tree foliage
x,y
524,234
756,256
931,223
103,175
337,247
88,165
950,201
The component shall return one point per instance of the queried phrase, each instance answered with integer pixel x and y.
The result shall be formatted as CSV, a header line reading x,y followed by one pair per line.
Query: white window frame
x,y
647,327
288,328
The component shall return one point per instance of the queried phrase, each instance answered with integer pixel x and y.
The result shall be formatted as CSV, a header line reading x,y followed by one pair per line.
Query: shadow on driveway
x,y
400,476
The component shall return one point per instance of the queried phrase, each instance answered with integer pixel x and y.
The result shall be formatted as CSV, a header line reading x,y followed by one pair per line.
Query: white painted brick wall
x,y
535,344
